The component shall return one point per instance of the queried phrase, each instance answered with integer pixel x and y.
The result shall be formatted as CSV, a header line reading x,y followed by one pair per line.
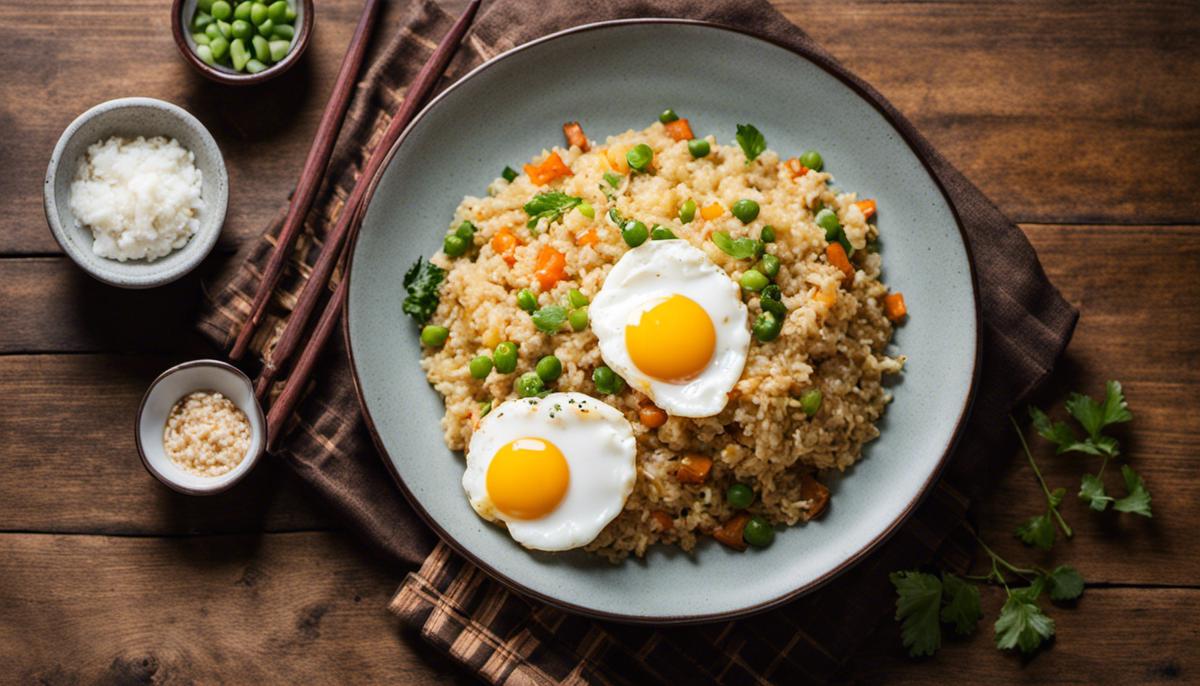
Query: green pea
x,y
242,29
454,246
204,5
238,54
465,231
769,265
200,21
505,357
578,319
225,28
827,219
262,51
767,235
258,13
769,301
509,174
277,11
200,39
810,401
668,115
639,156
661,233
699,147
549,368
212,31
480,367
812,160
434,336
745,210
242,11
585,208
753,280
607,382
758,532
265,27
221,10
204,52
739,496
635,233
279,49
767,326
283,32
526,300
254,66
219,46
529,384
687,211
576,298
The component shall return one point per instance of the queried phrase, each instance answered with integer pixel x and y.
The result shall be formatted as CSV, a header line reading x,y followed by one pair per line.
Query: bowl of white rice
x,y
136,192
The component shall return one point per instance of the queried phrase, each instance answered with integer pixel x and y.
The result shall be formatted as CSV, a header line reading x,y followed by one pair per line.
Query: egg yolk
x,y
528,478
673,341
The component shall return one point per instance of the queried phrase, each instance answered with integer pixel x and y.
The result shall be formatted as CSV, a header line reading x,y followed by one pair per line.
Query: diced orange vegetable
x,y
894,307
589,237
548,170
693,469
867,206
616,158
829,298
503,242
662,520
550,268
811,489
837,257
652,416
574,133
712,211
679,129
797,170
730,533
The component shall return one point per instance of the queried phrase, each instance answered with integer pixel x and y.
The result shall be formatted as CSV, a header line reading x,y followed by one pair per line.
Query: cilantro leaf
x,y
1022,624
1065,583
1060,434
741,248
550,318
751,140
961,604
1138,498
422,281
918,597
1094,416
549,206
1091,491
1037,531
1056,496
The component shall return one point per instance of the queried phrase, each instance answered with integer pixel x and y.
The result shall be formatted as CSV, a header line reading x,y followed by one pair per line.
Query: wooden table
x,y
1082,122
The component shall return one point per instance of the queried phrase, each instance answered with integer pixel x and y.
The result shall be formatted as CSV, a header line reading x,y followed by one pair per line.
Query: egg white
x,y
644,277
598,444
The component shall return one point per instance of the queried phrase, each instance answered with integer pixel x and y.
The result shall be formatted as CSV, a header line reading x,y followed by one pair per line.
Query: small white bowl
x,y
130,118
165,391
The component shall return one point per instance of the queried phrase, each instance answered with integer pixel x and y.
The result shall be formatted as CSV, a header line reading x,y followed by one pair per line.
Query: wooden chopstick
x,y
343,233
310,176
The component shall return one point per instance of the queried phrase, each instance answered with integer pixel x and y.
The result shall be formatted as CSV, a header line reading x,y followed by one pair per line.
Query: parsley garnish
x,y
550,318
751,140
549,206
422,281
741,248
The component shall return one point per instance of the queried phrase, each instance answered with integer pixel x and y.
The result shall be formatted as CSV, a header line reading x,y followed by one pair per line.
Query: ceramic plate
x,y
606,76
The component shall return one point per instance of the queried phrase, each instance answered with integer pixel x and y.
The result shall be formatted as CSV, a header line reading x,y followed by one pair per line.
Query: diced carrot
x,y
693,469
712,211
730,533
797,170
550,268
867,206
616,158
652,416
662,520
589,237
811,489
548,170
837,257
679,129
574,133
828,298
503,242
894,307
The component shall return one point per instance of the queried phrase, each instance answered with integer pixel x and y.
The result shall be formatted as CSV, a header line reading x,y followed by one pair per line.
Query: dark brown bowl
x,y
183,40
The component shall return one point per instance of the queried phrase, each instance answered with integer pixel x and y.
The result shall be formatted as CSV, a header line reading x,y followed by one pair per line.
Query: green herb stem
x,y
1042,481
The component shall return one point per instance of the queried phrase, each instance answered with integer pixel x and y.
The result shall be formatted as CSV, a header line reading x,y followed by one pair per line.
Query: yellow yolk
x,y
528,478
673,341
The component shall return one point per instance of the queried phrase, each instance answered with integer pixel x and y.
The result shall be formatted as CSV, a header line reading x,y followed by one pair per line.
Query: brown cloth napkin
x,y
506,638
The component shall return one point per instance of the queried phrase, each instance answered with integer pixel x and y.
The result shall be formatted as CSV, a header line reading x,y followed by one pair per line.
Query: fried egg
x,y
673,325
555,470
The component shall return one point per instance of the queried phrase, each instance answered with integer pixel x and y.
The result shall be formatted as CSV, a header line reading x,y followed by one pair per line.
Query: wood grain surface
x,y
1080,120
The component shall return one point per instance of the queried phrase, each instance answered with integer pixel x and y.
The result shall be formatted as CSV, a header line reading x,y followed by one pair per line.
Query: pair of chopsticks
x,y
338,240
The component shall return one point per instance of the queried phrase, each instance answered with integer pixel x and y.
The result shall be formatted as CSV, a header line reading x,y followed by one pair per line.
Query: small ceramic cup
x,y
182,12
168,389
130,118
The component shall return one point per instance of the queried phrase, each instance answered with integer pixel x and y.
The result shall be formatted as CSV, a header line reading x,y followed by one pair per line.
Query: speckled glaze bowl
x,y
510,108
130,118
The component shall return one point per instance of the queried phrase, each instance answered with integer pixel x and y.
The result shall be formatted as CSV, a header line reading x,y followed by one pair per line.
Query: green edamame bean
x,y
434,336
687,211
262,51
505,357
221,10
576,298
212,31
758,532
639,156
753,280
204,52
225,28
201,39
668,115
549,368
238,54
258,13
812,160
265,28
242,29
242,11
279,49
290,15
480,367
277,11
739,496
746,210
254,66
219,47
283,32
529,384
200,21
526,300
635,233
578,319
204,6
699,147
810,401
